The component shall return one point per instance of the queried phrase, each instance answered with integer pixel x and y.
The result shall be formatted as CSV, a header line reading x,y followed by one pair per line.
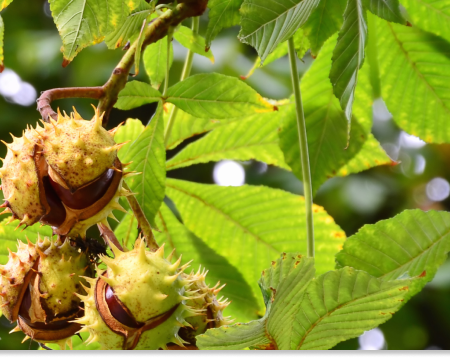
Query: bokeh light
x,y
229,173
372,340
438,189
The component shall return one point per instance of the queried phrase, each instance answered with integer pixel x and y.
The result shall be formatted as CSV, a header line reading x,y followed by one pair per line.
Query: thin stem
x,y
169,45
304,156
185,74
142,220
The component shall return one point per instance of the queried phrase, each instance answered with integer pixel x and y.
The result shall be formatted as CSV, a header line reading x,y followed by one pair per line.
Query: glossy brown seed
x,y
57,213
118,311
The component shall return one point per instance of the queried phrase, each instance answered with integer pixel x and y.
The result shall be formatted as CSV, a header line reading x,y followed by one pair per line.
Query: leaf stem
x,y
185,74
304,156
372,57
169,44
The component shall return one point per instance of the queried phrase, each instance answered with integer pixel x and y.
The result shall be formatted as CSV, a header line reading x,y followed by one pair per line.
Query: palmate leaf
x,y
127,230
386,9
82,23
414,72
155,62
194,42
148,156
255,137
413,243
430,15
130,27
324,22
348,55
136,94
130,131
175,235
222,14
9,236
2,33
251,225
312,313
267,23
326,126
212,95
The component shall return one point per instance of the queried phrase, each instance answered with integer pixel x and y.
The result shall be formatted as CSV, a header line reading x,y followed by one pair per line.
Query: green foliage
x,y
267,23
194,42
147,154
78,344
175,235
155,62
324,22
212,95
136,94
429,15
127,230
130,131
414,67
222,14
2,31
251,225
5,3
82,23
386,9
348,55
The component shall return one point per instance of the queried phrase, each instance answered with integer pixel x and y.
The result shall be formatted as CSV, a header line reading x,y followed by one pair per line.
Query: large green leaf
x,y
326,126
148,156
348,55
386,9
255,137
430,15
155,61
136,94
252,225
414,73
267,23
194,42
324,21
5,3
130,27
82,23
130,131
2,32
413,243
176,235
222,14
9,236
212,95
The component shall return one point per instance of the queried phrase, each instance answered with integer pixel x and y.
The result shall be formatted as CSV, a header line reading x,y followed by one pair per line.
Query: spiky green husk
x,y
148,285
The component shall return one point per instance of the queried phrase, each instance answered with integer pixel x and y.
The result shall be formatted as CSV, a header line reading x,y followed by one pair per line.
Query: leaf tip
x,y
2,67
65,62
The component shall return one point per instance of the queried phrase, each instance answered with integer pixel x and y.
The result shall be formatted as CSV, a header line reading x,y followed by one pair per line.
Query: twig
x,y
109,236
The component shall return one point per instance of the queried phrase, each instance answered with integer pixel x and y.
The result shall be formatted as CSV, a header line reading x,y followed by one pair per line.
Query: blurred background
x,y
421,180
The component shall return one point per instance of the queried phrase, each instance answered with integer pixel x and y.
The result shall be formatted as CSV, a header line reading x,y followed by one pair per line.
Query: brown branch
x,y
109,92
109,236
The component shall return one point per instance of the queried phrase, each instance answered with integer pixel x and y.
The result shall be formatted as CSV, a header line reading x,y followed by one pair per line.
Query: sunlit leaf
x,y
386,9
348,55
413,243
267,23
148,156
194,42
175,235
155,62
414,71
130,131
82,23
136,94
127,230
324,22
130,27
430,15
213,95
255,137
260,221
2,32
78,344
222,14
5,3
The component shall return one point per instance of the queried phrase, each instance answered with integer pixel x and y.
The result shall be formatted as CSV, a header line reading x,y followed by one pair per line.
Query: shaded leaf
x,y
388,10
130,27
82,23
430,15
222,14
155,62
176,235
414,72
127,230
148,155
194,42
348,55
9,236
267,23
130,131
324,22
255,137
251,225
136,94
410,243
213,95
